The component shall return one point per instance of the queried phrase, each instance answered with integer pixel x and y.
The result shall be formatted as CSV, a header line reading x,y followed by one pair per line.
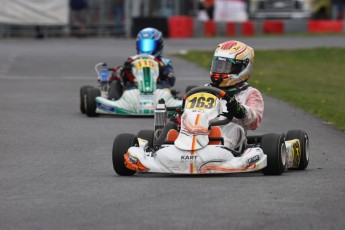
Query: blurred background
x,y
84,18
55,163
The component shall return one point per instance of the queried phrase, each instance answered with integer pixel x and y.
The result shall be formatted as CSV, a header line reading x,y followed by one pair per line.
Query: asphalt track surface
x,y
55,163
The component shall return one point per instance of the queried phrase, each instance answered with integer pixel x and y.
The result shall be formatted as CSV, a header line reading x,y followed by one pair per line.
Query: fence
x,y
100,21
102,18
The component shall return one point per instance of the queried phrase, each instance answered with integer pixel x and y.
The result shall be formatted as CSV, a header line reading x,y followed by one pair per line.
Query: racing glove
x,y
126,72
127,65
235,109
166,73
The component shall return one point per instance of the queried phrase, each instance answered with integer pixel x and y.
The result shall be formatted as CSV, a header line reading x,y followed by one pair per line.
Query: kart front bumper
x,y
212,159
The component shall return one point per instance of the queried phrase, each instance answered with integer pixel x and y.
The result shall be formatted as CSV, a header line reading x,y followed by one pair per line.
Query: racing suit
x,y
235,132
166,78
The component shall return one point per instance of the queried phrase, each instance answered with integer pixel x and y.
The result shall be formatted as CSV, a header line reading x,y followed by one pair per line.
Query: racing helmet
x,y
150,41
231,64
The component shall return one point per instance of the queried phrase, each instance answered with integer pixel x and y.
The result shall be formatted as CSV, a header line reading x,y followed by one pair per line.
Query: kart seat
x,y
171,136
215,136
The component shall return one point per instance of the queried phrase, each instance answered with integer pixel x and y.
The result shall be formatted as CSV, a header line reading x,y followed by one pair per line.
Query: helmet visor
x,y
146,46
226,65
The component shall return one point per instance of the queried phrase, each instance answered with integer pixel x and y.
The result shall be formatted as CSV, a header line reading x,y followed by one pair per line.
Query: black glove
x,y
127,65
166,72
235,109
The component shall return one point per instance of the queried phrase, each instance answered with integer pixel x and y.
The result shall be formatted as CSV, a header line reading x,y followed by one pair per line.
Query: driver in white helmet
x,y
230,70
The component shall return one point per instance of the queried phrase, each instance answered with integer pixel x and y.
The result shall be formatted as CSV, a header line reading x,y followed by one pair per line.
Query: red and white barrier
x,y
186,27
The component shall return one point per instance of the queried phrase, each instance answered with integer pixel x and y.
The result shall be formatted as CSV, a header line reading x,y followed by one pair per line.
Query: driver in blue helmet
x,y
149,41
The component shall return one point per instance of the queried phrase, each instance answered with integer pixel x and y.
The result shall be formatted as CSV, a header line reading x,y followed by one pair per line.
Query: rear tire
x,y
147,135
115,90
91,106
83,90
120,147
304,142
273,145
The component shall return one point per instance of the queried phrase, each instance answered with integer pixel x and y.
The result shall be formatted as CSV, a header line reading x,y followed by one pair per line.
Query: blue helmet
x,y
150,41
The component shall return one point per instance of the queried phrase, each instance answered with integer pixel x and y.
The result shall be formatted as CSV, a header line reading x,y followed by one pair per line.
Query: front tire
x,y
120,147
83,90
273,145
91,105
304,145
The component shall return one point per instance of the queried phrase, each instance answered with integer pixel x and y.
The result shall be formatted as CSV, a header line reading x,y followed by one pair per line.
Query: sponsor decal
x,y
133,160
197,111
296,153
147,97
178,167
105,107
189,158
147,105
195,129
253,159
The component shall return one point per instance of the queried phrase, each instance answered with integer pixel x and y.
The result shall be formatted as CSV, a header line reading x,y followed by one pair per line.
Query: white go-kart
x,y
194,144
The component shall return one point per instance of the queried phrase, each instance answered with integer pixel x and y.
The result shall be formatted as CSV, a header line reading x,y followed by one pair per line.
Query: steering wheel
x,y
220,94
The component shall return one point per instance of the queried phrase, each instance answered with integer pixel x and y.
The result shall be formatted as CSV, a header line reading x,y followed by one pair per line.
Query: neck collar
x,y
231,91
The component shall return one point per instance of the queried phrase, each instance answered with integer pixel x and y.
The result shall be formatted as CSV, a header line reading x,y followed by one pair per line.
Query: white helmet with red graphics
x,y
231,64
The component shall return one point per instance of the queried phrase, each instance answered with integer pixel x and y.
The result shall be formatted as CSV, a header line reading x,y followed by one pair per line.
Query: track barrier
x,y
187,27
324,26
181,27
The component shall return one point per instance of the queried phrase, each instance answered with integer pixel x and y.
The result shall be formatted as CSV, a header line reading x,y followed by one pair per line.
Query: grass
x,y
311,79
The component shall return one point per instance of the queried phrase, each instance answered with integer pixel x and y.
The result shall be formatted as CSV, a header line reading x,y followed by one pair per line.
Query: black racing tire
x,y
273,145
91,106
188,88
115,90
304,142
120,147
147,135
82,97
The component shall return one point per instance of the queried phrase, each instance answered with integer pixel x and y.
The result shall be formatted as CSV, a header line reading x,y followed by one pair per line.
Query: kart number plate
x,y
139,64
146,98
201,101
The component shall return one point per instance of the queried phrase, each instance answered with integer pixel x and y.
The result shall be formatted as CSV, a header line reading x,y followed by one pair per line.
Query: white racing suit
x,y
235,132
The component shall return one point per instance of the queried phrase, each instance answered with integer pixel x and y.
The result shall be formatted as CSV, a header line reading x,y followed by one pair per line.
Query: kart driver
x,y
230,70
149,41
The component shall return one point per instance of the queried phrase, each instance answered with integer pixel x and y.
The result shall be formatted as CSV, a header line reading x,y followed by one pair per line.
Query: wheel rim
x,y
283,154
85,101
306,148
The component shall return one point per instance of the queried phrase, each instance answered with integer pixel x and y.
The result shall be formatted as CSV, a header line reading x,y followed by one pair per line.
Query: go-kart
x,y
110,98
195,144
